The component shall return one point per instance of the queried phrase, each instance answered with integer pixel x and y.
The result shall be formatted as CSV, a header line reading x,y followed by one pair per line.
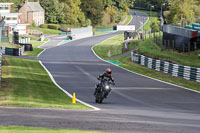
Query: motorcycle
x,y
103,91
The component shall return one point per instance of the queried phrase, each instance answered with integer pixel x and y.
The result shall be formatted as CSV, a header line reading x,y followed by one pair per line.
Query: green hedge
x,y
50,26
44,26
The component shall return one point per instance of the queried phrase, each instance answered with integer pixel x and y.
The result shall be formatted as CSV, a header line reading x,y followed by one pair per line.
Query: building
x,y
12,20
181,39
32,13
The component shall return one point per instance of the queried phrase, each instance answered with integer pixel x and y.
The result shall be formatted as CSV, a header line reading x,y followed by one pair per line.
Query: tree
x,y
93,10
107,3
181,10
155,27
73,13
53,11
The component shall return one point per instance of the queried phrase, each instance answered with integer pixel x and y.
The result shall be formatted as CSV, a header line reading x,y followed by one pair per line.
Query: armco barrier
x,y
186,72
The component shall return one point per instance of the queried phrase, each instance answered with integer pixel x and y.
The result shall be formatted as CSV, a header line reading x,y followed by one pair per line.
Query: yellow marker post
x,y
74,98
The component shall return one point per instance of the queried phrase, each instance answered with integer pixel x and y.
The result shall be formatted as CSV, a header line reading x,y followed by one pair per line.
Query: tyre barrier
x,y
27,47
186,72
12,51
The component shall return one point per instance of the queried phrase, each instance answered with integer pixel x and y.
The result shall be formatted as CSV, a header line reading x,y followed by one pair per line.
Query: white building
x,y
12,19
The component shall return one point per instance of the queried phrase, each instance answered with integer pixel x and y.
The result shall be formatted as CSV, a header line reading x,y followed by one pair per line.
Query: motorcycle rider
x,y
106,75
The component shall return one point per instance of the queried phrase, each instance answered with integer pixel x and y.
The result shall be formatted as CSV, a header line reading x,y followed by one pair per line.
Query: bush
x,y
50,26
44,26
53,26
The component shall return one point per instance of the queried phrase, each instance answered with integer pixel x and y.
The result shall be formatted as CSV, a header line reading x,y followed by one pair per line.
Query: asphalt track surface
x,y
137,104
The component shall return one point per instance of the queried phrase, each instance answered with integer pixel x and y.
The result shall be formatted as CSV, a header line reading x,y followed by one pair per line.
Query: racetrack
x,y
137,104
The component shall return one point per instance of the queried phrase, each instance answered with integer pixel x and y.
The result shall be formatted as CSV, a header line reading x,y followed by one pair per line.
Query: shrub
x,y
53,26
44,26
50,26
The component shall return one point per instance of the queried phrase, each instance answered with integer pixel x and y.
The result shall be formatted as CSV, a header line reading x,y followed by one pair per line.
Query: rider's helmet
x,y
108,72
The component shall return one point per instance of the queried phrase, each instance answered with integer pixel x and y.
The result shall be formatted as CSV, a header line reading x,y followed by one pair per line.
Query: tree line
x,y
81,12
176,11
92,12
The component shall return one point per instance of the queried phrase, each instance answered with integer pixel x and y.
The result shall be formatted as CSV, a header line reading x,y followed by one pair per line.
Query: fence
x,y
186,72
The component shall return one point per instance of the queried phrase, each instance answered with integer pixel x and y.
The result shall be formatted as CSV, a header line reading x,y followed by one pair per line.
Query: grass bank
x,y
20,129
115,43
45,30
10,45
187,58
110,47
25,83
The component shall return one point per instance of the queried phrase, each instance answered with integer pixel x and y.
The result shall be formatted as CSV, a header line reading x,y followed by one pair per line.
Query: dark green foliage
x,y
147,3
50,26
44,26
93,10
53,26
155,27
53,11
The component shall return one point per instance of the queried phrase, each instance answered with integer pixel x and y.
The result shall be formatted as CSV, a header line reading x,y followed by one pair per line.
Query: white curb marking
x,y
95,108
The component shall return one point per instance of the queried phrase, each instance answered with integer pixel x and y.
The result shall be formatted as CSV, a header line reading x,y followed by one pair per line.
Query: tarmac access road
x,y
137,104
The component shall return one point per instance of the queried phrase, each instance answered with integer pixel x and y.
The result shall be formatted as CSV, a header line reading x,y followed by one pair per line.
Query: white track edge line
x,y
95,108
44,43
41,52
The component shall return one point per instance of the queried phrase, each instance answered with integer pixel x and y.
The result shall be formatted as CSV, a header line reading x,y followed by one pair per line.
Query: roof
x,y
35,6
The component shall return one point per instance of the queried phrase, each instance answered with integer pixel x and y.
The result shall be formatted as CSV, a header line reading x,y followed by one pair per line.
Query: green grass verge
x,y
134,67
102,50
21,129
25,83
113,45
186,59
45,30
10,45
36,50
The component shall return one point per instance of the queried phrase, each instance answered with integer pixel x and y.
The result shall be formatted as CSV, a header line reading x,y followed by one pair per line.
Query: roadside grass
x,y
36,50
45,30
186,59
34,53
154,17
21,129
10,45
144,47
26,83
134,67
113,45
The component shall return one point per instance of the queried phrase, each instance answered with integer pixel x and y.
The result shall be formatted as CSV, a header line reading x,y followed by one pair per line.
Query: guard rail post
x,y
2,22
